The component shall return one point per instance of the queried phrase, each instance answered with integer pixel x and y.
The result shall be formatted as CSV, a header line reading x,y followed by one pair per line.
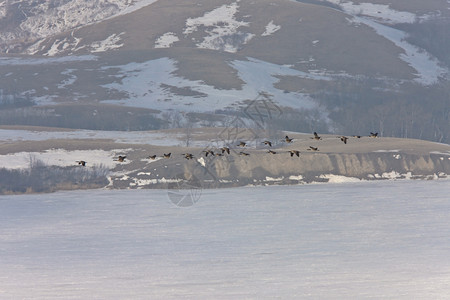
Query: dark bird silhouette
x,y
313,148
344,139
152,157
218,154
316,136
188,156
225,149
296,152
272,152
269,143
288,140
244,153
167,155
242,144
357,136
121,158
207,152
373,135
81,162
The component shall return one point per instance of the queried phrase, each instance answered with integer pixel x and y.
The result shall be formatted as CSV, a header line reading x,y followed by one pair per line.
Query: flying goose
x,y
225,149
242,144
357,136
188,156
288,140
343,138
153,157
269,143
313,148
244,153
120,158
167,155
296,152
209,151
81,162
373,135
271,152
316,136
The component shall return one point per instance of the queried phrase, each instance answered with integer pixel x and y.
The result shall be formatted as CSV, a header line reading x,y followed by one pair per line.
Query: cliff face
x,y
260,168
264,169
360,158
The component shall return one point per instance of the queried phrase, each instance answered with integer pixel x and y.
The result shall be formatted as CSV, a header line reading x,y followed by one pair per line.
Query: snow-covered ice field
x,y
377,240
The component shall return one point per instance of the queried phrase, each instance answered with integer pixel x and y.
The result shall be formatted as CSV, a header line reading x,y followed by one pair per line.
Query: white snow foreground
x,y
383,240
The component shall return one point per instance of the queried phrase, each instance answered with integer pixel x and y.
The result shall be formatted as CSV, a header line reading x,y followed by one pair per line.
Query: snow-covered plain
x,y
378,240
131,137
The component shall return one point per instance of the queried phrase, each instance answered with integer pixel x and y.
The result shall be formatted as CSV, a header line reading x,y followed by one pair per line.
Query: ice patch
x,y
275,179
339,178
296,177
201,160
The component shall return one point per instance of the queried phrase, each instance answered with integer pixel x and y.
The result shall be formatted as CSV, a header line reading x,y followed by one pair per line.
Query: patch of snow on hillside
x,y
428,68
146,86
110,43
379,12
166,40
53,17
58,18
221,27
138,4
19,61
69,80
57,47
271,28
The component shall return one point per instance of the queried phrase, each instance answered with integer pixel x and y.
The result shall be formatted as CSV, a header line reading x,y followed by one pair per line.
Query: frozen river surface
x,y
377,240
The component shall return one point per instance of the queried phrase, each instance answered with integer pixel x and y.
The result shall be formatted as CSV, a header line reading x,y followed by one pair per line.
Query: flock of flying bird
x,y
223,150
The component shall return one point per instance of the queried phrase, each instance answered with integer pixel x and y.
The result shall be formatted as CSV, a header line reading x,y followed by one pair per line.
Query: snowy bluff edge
x,y
264,169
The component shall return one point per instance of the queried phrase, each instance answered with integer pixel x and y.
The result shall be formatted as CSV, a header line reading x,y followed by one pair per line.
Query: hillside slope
x,y
329,66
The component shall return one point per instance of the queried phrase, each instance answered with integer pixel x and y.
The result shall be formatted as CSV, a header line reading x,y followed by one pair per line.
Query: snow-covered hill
x,y
209,56
25,21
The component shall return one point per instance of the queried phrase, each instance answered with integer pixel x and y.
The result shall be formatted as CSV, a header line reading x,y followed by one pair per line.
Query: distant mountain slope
x,y
24,21
333,65
341,44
